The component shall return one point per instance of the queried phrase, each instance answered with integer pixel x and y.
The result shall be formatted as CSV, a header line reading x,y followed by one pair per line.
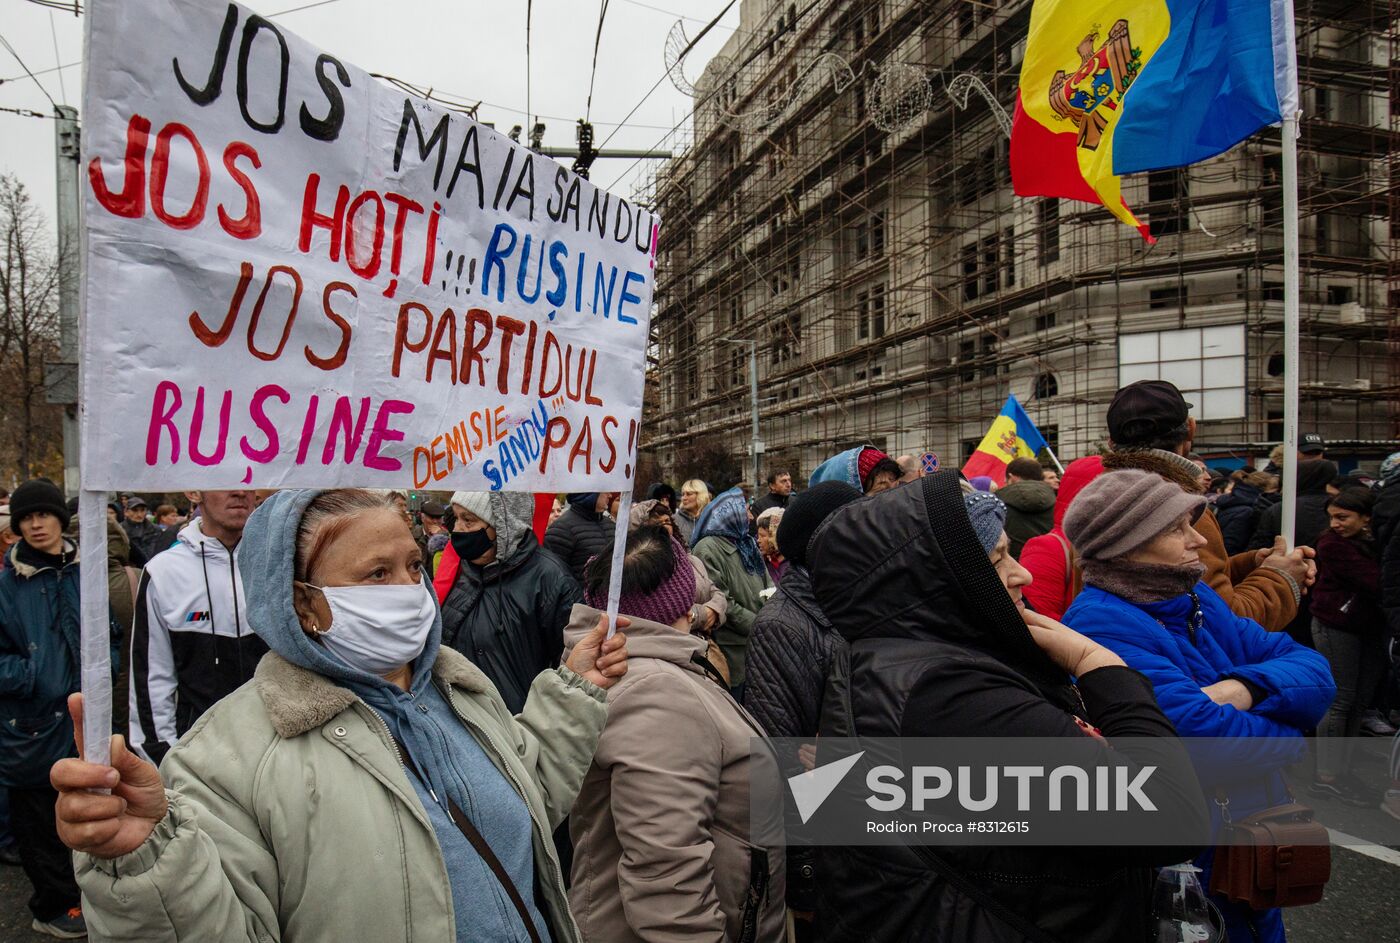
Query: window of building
x,y
870,313
1045,320
1046,385
688,356
1206,364
1274,431
1274,365
984,172
1008,257
967,352
989,367
1166,190
786,338
1271,291
969,272
1047,230
991,256
1340,294
870,237
966,18
736,367
734,311
1173,296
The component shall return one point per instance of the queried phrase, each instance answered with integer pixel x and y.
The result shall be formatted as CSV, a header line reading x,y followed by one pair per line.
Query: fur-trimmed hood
x,y
298,700
1177,469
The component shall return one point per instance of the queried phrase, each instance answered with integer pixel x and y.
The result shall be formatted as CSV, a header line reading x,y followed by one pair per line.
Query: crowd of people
x,y
348,718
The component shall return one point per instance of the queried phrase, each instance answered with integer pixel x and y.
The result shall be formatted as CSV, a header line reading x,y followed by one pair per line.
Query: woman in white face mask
x,y
368,784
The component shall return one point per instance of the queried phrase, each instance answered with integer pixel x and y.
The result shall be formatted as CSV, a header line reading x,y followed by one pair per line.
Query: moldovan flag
x,y
1011,436
1110,87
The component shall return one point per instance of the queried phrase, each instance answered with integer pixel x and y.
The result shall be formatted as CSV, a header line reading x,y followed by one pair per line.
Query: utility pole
x,y
756,446
61,376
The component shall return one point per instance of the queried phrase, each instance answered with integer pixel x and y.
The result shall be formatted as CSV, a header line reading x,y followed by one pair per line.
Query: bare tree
x,y
31,429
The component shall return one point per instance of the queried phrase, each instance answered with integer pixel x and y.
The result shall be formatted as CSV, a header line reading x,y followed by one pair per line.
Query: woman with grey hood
x,y
505,599
367,785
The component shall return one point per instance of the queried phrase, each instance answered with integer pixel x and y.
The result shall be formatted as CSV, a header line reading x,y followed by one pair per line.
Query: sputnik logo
x,y
814,787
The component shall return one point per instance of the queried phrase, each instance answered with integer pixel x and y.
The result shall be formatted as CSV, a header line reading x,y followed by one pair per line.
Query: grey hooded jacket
x,y
292,818
509,616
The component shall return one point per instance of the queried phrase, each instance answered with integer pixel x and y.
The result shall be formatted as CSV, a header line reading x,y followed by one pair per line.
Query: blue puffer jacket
x,y
39,666
1158,640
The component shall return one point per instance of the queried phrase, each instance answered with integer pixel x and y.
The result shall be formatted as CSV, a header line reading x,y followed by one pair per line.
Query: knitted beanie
x,y
869,458
664,604
805,513
988,516
37,494
1120,511
478,502
981,483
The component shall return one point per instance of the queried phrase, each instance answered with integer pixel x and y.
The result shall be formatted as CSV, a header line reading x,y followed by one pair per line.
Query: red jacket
x,y
1055,586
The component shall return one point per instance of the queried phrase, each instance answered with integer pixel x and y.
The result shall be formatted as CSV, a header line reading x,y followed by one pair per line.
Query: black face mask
x,y
471,544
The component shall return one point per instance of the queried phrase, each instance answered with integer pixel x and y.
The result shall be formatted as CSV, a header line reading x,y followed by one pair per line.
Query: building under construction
x,y
842,211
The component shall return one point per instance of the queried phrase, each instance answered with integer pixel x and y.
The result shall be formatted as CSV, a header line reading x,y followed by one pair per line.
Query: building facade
x,y
845,209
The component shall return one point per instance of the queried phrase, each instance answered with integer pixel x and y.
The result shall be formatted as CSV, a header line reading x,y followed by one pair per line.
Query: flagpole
x,y
1291,284
1060,468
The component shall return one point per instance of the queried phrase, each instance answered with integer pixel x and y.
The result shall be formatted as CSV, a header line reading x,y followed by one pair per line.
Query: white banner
x,y
297,275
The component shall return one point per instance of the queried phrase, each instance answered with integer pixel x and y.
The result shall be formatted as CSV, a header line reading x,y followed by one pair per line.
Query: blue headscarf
x,y
844,466
727,516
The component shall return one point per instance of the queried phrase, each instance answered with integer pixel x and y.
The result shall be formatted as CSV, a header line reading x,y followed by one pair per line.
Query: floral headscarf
x,y
727,516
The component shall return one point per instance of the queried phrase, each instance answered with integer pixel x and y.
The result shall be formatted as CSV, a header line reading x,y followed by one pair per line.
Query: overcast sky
x,y
471,49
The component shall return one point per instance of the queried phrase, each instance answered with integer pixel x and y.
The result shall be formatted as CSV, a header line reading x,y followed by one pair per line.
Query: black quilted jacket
x,y
789,654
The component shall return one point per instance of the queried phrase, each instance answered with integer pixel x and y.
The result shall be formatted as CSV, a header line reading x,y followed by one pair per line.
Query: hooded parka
x,y
292,817
938,649
661,831
509,616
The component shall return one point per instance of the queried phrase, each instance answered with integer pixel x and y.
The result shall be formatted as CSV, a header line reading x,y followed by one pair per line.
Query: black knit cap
x,y
37,494
805,514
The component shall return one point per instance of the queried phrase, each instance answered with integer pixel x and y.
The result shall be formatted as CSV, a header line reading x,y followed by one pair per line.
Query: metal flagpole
x,y
1290,326
1058,466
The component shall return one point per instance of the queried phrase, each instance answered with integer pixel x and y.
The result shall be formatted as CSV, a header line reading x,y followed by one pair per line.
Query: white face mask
x,y
378,629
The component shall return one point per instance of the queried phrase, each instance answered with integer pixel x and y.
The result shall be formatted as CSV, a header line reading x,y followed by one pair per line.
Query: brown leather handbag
x,y
1276,857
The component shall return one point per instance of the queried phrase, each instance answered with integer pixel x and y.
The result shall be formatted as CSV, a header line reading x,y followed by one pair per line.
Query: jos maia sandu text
x,y
389,248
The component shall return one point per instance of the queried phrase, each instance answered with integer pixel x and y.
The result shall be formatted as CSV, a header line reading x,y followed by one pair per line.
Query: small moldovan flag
x,y
1111,87
1011,436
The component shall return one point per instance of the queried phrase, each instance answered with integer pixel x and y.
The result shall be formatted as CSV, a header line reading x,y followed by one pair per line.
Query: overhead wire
x,y
664,75
53,31
6,43
593,73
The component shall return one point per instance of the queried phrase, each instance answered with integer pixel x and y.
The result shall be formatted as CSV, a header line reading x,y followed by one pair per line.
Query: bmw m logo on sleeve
x,y
197,616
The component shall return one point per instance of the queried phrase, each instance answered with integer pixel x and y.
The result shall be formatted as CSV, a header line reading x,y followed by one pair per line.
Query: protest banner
x,y
296,275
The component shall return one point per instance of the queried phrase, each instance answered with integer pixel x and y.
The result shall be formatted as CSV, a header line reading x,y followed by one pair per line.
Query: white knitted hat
x,y
478,502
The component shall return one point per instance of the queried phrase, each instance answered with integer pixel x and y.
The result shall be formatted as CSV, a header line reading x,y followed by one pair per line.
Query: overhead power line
x,y
664,75
6,43
593,73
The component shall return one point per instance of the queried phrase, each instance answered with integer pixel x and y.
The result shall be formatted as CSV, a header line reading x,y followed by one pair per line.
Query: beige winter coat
x,y
661,824
292,819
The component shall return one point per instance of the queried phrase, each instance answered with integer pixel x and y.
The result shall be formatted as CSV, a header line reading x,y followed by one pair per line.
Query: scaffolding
x,y
843,198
